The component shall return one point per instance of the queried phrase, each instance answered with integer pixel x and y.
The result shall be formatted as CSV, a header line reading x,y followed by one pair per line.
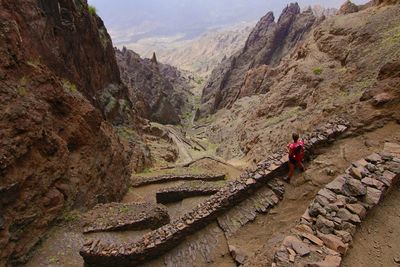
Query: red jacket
x,y
296,150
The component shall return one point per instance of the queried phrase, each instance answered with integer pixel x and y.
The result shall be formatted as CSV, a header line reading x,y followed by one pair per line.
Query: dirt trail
x,y
184,153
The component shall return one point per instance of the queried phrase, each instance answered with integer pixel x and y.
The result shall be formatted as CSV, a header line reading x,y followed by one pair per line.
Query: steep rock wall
x,y
59,82
267,44
157,90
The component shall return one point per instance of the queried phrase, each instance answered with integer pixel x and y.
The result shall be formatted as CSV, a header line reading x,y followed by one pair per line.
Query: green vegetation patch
x,y
69,86
199,81
317,70
112,102
71,216
35,63
92,10
123,209
127,133
22,89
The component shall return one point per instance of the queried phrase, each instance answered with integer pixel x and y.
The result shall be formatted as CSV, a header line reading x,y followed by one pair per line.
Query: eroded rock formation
x,y
158,91
267,44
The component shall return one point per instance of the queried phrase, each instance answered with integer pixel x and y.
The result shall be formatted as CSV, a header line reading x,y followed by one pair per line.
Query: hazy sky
x,y
132,20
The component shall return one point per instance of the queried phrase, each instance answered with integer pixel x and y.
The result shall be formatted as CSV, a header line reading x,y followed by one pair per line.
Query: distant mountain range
x,y
131,21
200,55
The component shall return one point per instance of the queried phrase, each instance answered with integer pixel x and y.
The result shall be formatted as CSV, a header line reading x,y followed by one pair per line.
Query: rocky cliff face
x,y
156,90
347,65
267,44
59,83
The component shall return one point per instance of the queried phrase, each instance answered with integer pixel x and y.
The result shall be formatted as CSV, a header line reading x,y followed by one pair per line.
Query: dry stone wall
x,y
174,194
157,242
120,216
141,181
325,231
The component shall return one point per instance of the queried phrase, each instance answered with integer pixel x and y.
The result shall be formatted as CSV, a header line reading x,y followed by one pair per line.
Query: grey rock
x,y
346,215
354,187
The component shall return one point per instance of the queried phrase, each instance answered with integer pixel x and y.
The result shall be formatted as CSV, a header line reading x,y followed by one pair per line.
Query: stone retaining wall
x,y
141,181
326,229
119,217
174,194
168,236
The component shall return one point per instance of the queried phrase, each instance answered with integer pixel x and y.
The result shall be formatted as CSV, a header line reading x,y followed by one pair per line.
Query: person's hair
x,y
295,137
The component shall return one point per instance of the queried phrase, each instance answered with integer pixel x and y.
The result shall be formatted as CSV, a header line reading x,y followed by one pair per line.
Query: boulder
x,y
348,7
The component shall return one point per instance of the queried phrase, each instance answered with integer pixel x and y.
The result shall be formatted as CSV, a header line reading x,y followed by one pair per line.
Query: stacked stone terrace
x,y
325,231
157,242
141,181
120,217
178,193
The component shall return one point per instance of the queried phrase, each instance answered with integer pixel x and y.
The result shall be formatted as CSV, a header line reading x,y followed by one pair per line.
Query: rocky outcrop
x,y
267,44
348,7
325,231
151,87
59,93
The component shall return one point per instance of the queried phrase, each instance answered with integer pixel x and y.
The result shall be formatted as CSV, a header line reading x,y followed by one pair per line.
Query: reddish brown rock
x,y
373,183
348,7
373,196
374,158
297,245
313,238
60,95
150,90
357,209
333,242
